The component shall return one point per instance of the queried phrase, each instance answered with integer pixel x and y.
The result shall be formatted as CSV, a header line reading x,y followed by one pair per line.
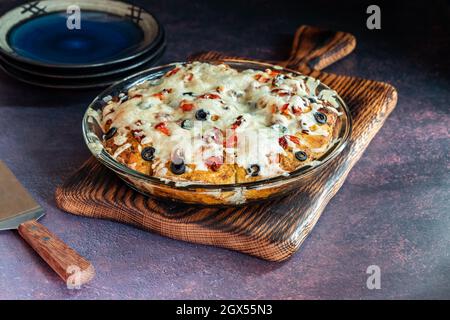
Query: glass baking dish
x,y
200,193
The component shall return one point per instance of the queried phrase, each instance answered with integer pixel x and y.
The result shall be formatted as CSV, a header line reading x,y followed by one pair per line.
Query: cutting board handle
x,y
312,49
315,48
66,262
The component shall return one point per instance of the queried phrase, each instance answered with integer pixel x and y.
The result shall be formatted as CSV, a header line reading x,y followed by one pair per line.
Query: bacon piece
x,y
283,142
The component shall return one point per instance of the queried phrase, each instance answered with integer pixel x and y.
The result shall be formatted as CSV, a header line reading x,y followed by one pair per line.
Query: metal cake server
x,y
18,210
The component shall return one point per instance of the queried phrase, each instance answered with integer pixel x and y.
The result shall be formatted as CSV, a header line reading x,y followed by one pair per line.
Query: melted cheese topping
x,y
258,107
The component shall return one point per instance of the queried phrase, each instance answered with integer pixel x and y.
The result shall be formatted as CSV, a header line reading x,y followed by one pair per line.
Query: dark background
x,y
393,211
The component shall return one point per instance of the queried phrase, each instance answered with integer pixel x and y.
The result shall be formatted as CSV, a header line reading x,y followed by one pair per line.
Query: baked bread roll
x,y
212,124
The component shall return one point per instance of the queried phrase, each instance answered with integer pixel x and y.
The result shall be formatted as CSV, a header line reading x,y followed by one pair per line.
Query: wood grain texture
x,y
318,48
270,230
66,262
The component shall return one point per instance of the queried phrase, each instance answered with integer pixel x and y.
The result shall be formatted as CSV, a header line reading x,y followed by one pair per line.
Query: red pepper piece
x,y
237,123
209,96
186,106
261,78
274,108
284,109
162,128
214,163
296,110
294,139
159,95
172,72
272,73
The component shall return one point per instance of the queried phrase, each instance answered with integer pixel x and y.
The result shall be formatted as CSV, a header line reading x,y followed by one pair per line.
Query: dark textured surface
x,y
393,210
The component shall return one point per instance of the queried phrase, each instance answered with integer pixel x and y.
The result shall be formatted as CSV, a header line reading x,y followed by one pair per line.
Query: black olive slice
x,y
201,115
178,167
320,117
187,124
253,170
301,156
111,132
148,153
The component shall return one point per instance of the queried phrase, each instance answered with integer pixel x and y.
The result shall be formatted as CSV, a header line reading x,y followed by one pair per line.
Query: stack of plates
x,y
54,43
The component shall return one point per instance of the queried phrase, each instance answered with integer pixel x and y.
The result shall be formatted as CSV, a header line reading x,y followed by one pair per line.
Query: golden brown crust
x,y
225,174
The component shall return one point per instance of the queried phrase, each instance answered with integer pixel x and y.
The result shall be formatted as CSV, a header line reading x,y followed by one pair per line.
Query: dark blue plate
x,y
103,37
83,83
86,73
111,32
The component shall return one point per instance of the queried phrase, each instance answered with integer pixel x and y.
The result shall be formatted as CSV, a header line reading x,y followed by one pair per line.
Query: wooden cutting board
x,y
271,230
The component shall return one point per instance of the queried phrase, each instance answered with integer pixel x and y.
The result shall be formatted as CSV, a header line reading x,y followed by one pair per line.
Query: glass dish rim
x,y
105,158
